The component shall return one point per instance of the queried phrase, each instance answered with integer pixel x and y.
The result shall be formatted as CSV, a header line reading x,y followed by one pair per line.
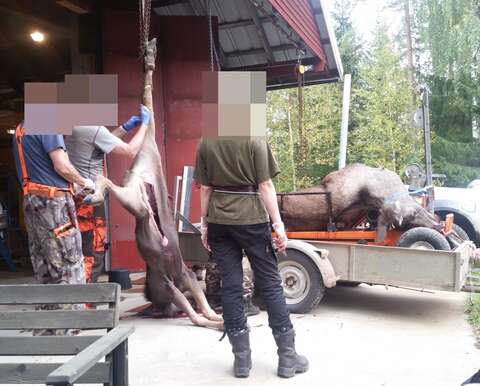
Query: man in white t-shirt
x,y
86,149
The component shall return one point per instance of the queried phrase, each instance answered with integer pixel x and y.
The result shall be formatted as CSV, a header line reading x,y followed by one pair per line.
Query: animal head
x,y
406,211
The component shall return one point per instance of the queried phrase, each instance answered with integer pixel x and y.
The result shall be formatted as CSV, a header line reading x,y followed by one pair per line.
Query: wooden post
x,y
120,364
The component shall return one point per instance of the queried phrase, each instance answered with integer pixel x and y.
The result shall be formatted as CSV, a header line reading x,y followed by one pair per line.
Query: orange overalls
x,y
90,222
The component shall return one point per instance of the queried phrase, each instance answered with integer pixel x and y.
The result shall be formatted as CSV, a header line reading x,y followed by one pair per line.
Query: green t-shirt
x,y
235,162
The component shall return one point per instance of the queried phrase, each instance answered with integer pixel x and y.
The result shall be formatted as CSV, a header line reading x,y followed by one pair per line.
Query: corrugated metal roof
x,y
291,24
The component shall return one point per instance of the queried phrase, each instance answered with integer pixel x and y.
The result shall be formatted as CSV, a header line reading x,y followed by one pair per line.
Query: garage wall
x,y
182,54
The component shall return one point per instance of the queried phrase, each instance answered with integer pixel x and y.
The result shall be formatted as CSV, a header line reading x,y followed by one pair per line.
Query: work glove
x,y
88,187
204,232
145,114
280,240
132,122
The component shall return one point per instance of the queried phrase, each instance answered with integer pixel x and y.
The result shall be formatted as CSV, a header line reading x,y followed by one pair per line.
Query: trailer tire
x,y
301,281
423,238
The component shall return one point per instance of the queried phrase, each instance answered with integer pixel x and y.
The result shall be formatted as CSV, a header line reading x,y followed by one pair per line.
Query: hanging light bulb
x,y
37,36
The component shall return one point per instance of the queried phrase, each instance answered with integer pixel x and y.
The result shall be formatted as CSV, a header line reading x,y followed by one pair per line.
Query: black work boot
x,y
250,308
240,342
289,362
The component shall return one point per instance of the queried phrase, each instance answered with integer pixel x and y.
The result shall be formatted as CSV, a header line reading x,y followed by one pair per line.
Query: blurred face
x,y
234,104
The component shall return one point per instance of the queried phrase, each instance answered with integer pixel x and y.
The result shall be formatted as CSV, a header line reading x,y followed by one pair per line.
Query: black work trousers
x,y
227,243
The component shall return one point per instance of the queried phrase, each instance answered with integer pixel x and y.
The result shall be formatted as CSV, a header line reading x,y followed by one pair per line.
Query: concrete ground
x,y
363,336
357,336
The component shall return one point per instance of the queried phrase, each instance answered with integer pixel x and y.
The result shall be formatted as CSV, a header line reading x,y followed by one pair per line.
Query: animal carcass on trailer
x,y
353,191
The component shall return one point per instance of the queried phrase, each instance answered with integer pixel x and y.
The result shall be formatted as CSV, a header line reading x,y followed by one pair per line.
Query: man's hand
x,y
88,187
204,232
281,239
132,122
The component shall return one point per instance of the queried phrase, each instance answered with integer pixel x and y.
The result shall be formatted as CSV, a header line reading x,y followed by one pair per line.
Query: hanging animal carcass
x,y
144,194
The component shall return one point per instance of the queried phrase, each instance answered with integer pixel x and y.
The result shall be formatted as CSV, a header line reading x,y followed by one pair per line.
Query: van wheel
x,y
461,233
301,281
423,238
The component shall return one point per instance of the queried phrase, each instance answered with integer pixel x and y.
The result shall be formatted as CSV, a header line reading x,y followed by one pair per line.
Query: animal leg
x,y
101,188
130,197
181,302
190,281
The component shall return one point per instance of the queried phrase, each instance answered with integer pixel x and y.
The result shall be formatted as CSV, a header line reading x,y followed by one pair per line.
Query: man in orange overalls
x,y
86,148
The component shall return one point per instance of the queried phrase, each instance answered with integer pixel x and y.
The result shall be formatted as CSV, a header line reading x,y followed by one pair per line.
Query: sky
x,y
366,14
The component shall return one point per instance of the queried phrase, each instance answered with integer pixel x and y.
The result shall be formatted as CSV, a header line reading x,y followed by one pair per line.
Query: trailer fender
x,y
319,257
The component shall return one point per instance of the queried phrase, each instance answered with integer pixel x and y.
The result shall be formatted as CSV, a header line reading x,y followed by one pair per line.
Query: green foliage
x,y
473,310
450,32
384,136
350,46
379,129
446,36
460,162
321,120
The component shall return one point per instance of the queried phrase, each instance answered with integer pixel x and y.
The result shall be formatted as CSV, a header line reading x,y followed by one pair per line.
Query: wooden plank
x,y
58,293
120,364
78,365
115,307
13,373
16,320
44,345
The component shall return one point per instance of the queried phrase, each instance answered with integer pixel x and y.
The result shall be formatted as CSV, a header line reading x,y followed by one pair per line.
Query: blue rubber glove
x,y
145,114
132,122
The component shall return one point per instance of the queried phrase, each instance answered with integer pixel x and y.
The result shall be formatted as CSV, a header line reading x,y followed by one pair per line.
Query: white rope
x,y
144,10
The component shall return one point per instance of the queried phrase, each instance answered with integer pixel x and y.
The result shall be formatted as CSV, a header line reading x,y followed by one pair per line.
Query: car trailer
x,y
317,260
309,267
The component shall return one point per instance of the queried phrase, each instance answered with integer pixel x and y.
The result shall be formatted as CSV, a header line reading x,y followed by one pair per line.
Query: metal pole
x,y
428,150
106,205
176,191
342,157
187,182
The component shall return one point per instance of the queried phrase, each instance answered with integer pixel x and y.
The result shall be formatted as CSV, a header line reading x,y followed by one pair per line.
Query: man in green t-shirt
x,y
238,199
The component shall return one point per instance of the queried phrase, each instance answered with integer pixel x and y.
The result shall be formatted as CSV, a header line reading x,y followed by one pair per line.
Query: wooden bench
x,y
87,351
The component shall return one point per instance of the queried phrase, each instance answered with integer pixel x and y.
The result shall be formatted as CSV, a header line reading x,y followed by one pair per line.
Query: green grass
x,y
473,310
473,301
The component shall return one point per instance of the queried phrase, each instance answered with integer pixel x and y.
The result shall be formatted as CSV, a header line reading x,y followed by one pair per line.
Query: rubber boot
x,y
289,362
250,308
240,342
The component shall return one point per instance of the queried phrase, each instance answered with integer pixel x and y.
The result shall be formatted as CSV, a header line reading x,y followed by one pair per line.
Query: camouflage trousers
x,y
213,280
55,245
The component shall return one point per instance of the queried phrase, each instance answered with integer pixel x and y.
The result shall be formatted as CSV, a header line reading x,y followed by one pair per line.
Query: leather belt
x,y
44,193
241,189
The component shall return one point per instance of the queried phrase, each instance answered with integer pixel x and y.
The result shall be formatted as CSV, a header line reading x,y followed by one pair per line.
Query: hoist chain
x,y
213,49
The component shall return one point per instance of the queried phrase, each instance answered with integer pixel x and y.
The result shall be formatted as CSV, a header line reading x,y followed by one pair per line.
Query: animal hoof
x,y
215,317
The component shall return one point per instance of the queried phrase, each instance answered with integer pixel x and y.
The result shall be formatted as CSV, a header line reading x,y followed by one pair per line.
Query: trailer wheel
x,y
301,281
423,238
